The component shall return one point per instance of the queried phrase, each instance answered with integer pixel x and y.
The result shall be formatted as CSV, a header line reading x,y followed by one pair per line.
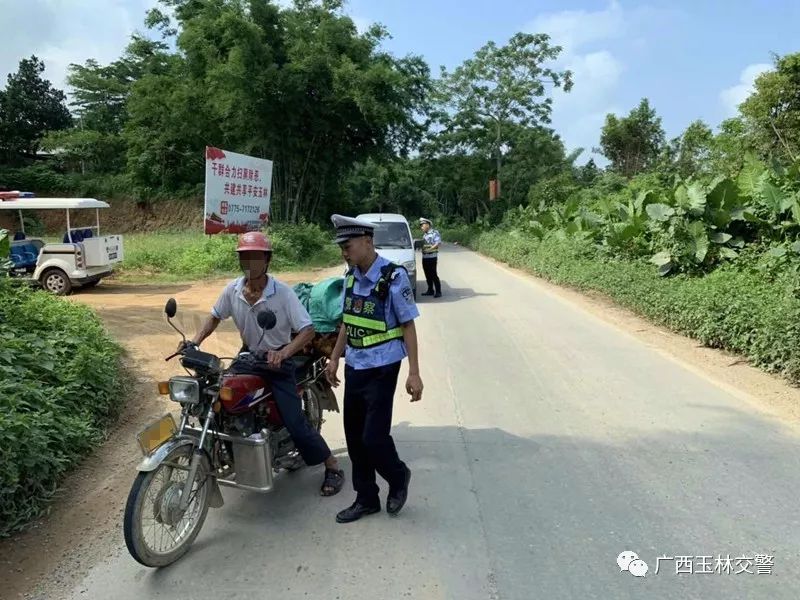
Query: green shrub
x,y
44,179
59,386
298,245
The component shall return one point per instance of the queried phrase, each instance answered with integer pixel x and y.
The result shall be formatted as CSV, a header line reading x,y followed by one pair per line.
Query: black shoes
x,y
355,511
428,293
397,499
437,295
394,503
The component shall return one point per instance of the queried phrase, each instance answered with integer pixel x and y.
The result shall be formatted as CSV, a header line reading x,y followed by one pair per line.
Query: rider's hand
x,y
185,345
414,387
330,372
275,358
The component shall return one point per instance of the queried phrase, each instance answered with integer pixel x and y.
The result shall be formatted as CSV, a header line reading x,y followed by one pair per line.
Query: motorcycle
x,y
230,434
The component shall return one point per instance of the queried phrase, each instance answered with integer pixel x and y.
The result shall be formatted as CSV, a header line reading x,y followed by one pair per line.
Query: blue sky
x,y
693,59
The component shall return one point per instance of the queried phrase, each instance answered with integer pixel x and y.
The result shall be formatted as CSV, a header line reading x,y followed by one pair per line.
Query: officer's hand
x,y
275,358
414,387
330,373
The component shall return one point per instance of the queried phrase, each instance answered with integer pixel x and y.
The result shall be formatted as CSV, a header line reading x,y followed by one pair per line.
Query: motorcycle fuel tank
x,y
247,391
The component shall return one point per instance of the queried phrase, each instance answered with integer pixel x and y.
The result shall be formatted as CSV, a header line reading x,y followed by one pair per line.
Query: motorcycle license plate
x,y
155,434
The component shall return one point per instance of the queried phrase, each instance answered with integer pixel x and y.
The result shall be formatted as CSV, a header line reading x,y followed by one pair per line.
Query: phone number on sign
x,y
235,209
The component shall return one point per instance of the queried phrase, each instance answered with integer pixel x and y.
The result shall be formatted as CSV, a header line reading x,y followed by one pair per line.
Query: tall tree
x,y
534,153
29,107
100,93
692,150
633,143
772,112
488,97
399,185
99,100
730,147
588,173
300,86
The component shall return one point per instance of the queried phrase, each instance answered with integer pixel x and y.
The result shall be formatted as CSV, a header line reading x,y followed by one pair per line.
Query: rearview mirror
x,y
266,320
418,244
171,309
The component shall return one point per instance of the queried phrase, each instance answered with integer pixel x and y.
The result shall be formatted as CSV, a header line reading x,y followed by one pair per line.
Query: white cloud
x,y
584,35
579,115
573,29
733,96
362,24
595,46
598,71
59,35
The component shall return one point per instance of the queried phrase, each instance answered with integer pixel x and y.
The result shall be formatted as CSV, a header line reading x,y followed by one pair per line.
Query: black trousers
x,y
429,266
368,400
283,383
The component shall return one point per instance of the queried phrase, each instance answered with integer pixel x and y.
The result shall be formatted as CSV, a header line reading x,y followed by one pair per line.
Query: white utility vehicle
x,y
393,241
82,258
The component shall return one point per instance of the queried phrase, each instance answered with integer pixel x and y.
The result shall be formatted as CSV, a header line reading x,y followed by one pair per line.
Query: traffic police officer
x,y
378,332
430,258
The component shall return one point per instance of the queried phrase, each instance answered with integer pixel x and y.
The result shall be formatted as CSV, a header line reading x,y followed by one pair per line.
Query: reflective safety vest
x,y
365,316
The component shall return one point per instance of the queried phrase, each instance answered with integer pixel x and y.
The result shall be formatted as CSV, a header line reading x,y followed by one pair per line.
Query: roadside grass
x,y
182,256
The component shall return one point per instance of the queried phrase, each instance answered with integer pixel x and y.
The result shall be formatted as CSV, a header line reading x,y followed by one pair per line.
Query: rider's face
x,y
254,264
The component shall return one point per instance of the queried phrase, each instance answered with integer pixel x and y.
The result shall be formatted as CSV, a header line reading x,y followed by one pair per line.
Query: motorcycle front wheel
x,y
157,532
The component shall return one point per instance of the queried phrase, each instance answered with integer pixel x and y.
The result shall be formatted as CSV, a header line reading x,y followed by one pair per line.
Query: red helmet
x,y
254,241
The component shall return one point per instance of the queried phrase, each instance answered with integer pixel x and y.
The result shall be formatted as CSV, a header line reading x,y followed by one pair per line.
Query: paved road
x,y
547,443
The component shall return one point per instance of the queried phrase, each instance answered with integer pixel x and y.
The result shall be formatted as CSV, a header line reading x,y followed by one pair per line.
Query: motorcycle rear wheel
x,y
312,408
156,532
313,414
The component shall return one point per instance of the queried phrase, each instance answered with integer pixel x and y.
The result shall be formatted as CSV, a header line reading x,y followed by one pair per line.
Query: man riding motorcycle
x,y
243,299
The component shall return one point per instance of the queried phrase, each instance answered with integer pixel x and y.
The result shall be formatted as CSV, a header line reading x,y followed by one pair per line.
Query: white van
x,y
393,241
82,258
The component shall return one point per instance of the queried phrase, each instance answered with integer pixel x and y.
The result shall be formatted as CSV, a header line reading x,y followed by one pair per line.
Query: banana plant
x,y
626,223
689,228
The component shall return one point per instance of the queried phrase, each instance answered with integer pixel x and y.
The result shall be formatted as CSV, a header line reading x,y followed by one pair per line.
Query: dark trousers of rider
x,y
430,266
368,400
306,439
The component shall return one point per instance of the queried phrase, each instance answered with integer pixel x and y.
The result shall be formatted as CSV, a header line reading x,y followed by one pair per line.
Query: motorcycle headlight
x,y
185,390
410,266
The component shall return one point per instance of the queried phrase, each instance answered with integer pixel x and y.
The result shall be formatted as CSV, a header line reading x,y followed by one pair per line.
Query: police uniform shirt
x,y
431,239
400,309
277,297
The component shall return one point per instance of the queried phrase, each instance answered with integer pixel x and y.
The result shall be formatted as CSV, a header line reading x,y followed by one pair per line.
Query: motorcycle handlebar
x,y
186,346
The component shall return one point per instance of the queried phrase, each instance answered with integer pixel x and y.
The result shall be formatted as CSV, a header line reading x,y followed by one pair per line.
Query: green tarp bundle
x,y
323,301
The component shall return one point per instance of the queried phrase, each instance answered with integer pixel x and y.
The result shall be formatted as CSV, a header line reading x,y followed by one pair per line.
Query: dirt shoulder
x,y
85,519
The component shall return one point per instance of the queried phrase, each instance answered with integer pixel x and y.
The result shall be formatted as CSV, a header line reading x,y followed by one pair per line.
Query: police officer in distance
x,y
378,332
430,258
